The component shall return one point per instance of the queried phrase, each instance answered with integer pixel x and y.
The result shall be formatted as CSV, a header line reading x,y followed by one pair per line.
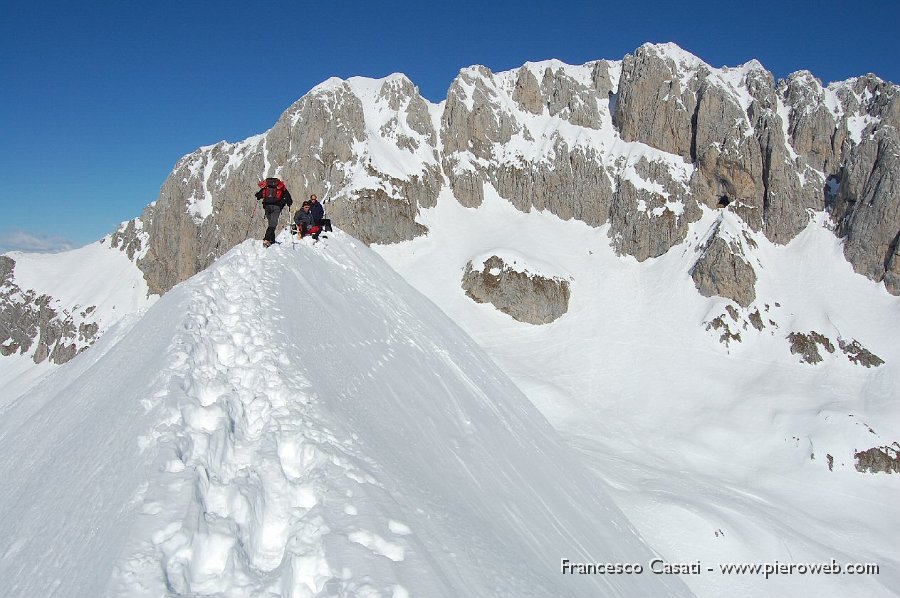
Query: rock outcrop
x,y
858,354
883,459
776,148
807,346
867,206
724,121
533,159
850,132
722,270
29,325
526,297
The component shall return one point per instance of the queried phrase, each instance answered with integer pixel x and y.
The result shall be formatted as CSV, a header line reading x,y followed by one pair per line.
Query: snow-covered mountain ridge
x,y
298,422
640,143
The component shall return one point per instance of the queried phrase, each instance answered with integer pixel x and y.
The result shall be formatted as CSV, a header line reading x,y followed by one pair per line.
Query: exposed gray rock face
x,y
721,270
756,320
472,122
734,321
571,100
812,126
527,92
482,138
30,326
776,150
524,296
858,354
317,146
732,133
867,207
807,346
884,459
790,188
601,79
776,168
127,239
375,217
727,123
850,131
656,106
572,186
7,266
652,230
728,335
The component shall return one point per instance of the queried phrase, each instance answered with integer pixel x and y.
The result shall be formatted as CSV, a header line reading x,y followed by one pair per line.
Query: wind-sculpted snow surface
x,y
298,421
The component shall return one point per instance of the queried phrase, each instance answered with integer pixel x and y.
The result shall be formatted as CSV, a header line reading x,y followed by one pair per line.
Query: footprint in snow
x,y
401,529
378,545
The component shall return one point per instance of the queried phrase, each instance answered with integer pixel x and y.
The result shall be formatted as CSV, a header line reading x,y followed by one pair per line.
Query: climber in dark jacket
x,y
318,212
274,196
316,209
306,223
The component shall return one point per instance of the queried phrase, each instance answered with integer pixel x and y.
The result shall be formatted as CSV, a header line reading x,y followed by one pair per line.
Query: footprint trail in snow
x,y
327,431
246,457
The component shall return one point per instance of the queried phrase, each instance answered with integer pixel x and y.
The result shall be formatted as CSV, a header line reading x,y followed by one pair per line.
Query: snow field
x,y
694,437
384,457
73,465
95,274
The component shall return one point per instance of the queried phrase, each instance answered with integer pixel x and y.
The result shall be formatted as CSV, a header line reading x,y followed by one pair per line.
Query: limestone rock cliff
x,y
325,143
867,206
525,296
643,145
722,270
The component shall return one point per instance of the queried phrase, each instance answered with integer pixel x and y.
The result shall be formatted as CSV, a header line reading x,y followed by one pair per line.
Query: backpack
x,y
272,188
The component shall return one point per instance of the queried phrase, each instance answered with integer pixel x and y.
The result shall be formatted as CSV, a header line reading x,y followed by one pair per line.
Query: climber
x,y
318,212
274,196
306,223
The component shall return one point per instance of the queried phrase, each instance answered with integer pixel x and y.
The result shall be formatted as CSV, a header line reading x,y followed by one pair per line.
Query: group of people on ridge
x,y
309,220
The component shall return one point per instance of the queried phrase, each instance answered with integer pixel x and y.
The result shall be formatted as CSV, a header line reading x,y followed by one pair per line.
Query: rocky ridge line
x,y
640,144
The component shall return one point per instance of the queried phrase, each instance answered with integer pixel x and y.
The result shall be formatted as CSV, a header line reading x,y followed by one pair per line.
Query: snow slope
x,y
96,283
718,453
95,274
298,422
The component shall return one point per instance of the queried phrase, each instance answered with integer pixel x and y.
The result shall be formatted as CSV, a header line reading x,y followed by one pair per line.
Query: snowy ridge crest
x,y
275,460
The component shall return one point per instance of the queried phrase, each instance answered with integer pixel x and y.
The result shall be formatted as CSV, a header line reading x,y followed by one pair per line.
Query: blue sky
x,y
99,100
